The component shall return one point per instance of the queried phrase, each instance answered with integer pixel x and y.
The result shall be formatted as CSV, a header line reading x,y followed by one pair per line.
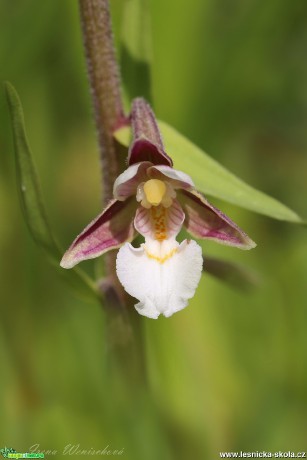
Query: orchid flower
x,y
155,200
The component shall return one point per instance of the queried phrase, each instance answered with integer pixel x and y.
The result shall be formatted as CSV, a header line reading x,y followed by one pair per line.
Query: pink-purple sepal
x,y
204,221
112,228
144,150
147,143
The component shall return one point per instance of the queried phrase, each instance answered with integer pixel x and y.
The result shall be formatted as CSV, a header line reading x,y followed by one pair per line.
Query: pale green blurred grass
x,y
227,373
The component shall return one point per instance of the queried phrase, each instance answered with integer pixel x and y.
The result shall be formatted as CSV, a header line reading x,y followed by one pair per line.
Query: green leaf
x,y
32,203
135,49
27,181
213,179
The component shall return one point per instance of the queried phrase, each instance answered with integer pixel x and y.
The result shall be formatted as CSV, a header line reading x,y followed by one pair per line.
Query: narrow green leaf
x,y
32,203
213,179
27,182
135,49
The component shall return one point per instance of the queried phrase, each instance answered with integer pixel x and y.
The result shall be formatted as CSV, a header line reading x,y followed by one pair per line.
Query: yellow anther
x,y
154,190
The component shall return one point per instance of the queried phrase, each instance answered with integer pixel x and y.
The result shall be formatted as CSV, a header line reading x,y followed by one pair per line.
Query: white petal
x,y
162,276
127,182
177,179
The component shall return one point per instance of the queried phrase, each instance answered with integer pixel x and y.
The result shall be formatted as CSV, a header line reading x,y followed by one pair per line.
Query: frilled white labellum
x,y
162,275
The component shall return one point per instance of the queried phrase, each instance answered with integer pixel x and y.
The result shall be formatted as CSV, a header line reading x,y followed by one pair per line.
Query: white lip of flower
x,y
161,273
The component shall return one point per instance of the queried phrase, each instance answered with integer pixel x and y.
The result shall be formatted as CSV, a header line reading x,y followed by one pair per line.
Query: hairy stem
x,y
104,83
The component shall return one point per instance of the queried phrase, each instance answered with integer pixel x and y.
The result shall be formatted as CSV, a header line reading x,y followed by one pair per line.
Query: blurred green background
x,y
229,372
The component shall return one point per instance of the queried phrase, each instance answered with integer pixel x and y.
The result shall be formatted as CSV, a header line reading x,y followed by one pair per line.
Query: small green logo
x,y
6,451
9,452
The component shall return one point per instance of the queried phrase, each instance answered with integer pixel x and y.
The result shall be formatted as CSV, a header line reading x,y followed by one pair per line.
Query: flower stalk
x,y
123,335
